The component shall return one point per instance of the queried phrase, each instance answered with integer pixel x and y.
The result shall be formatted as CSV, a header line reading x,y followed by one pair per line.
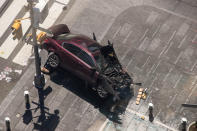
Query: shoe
x,y
44,70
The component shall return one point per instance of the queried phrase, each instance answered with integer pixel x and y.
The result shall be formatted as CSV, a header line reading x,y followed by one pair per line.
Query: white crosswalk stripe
x,y
9,15
7,47
26,51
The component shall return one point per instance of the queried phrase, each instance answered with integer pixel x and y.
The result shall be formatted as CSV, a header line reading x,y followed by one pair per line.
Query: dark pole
x,y
183,123
39,80
150,108
7,123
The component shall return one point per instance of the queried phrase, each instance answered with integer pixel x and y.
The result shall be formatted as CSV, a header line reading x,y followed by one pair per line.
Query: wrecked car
x,y
84,57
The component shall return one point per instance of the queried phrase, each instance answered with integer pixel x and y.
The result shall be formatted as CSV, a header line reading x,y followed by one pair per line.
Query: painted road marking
x,y
195,64
165,49
167,74
144,44
9,15
156,31
23,55
127,36
179,56
146,31
8,46
182,41
54,12
152,18
147,60
180,77
183,29
117,31
173,99
26,51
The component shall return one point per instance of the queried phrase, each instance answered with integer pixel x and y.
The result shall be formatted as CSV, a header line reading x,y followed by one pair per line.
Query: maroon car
x,y
87,59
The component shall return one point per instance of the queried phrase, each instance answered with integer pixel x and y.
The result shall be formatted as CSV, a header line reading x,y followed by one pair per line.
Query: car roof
x,y
78,39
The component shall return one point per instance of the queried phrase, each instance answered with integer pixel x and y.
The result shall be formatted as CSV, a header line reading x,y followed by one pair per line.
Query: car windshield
x,y
99,58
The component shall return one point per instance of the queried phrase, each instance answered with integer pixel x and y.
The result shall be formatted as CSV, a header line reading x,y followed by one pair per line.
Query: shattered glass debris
x,y
7,73
18,71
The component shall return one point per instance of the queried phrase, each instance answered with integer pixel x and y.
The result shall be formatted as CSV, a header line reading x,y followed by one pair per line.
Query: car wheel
x,y
101,92
53,60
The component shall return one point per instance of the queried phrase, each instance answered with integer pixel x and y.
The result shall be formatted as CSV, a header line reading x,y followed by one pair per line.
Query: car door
x,y
88,64
78,63
68,57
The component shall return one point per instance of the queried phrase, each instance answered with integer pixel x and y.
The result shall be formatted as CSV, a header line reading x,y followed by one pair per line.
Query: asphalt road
x,y
155,41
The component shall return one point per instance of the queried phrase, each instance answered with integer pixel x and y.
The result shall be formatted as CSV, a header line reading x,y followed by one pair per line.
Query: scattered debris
x,y
8,69
3,75
8,79
139,96
144,94
143,117
18,71
18,115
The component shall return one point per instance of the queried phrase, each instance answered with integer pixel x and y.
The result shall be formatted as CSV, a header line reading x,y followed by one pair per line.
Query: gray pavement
x,y
155,41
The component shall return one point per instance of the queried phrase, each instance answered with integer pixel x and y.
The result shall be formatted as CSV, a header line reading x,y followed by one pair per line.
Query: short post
x,y
7,124
183,123
27,102
150,108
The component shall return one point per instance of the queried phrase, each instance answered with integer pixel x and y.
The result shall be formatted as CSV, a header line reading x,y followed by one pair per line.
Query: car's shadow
x,y
77,86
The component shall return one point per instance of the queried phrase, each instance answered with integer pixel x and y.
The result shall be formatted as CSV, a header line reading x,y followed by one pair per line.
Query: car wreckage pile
x,y
115,79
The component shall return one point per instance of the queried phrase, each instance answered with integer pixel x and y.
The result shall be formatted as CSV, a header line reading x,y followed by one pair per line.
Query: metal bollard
x,y
27,103
183,123
7,124
150,108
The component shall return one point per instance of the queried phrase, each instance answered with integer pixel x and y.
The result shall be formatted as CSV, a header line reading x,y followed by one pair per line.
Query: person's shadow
x,y
108,107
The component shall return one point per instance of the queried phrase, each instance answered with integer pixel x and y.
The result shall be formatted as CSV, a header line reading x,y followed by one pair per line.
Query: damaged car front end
x,y
114,79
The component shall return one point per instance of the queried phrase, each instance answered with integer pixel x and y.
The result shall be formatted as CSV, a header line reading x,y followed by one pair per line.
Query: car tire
x,y
101,92
53,60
